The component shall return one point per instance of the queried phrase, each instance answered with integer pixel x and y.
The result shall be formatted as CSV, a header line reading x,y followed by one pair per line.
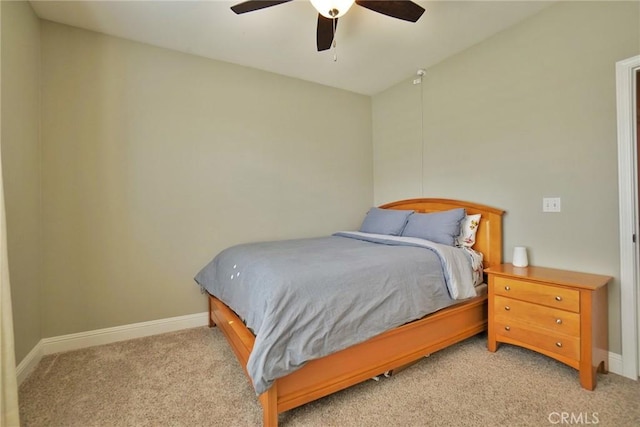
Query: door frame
x,y
628,200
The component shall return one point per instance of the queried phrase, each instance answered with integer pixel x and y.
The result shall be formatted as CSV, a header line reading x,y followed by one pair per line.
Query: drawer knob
x,y
558,344
506,307
558,298
559,321
507,328
507,288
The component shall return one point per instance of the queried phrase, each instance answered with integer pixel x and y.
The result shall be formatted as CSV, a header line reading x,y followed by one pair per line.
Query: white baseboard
x,y
122,333
144,329
106,336
615,364
29,363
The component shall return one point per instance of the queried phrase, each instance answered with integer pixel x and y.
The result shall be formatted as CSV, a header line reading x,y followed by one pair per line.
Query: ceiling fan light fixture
x,y
332,8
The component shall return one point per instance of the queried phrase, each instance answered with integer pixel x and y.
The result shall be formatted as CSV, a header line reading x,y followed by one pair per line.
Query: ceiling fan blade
x,y
251,5
401,9
324,32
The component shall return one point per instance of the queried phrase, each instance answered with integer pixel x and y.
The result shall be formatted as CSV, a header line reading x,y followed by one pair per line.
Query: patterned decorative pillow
x,y
468,228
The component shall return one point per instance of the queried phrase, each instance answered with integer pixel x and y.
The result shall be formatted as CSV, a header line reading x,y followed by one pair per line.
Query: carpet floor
x,y
191,378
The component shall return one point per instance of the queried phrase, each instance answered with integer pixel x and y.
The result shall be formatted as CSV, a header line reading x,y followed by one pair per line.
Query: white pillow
x,y
468,228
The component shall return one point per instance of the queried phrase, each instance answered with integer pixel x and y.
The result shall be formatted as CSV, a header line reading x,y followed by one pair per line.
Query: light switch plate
x,y
551,204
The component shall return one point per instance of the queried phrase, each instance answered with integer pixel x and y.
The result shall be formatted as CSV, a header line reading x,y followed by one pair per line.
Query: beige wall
x,y
527,114
21,167
397,129
154,161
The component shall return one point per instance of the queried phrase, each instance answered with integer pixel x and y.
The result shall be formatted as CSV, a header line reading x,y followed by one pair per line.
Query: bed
x,y
385,352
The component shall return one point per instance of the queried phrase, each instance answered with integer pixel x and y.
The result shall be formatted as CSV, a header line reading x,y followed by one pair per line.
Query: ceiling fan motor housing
x,y
332,8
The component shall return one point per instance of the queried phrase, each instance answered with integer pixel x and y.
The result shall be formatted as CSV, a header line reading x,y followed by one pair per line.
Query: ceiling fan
x,y
330,10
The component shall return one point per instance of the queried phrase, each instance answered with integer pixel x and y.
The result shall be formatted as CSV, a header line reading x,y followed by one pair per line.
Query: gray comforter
x,y
307,298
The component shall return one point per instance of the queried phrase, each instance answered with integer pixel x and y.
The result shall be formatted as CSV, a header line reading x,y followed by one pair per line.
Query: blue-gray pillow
x,y
439,227
385,221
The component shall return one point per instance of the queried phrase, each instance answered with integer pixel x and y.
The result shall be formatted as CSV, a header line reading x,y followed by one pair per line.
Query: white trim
x,y
29,363
627,179
615,364
106,336
48,346
122,333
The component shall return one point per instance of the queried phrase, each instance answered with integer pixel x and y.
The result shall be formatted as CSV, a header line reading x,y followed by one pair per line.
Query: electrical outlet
x,y
551,204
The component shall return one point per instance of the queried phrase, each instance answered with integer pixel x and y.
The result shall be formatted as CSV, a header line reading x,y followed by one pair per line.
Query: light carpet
x,y
191,378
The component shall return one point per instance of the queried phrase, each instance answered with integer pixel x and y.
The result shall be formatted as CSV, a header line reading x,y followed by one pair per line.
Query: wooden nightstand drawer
x,y
552,319
539,339
551,296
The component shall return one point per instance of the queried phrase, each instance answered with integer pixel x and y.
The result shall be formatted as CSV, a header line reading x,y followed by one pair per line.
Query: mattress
x,y
307,298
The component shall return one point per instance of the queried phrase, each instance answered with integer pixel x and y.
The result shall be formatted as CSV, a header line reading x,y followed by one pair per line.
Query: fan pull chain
x,y
335,51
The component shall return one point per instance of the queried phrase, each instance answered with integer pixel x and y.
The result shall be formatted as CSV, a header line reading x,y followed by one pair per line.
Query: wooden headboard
x,y
489,235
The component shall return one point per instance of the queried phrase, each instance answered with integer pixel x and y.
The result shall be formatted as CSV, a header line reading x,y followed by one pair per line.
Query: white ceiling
x,y
374,51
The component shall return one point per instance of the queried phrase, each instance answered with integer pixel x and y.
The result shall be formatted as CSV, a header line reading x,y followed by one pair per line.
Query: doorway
x,y
627,82
637,284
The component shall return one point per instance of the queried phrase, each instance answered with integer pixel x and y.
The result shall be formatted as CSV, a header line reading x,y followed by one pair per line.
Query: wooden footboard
x,y
358,363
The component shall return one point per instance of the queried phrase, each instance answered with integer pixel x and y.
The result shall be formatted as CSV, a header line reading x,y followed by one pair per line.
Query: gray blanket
x,y
307,298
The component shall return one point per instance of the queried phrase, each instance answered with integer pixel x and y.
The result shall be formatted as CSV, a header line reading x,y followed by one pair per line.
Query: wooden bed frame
x,y
385,352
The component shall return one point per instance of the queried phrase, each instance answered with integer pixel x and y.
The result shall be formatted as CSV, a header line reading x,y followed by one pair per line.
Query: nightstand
x,y
561,314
